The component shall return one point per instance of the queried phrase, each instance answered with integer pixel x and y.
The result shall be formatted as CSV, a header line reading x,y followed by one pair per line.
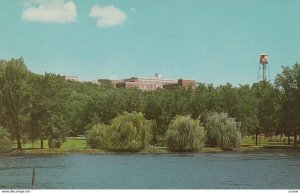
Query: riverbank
x,y
30,151
148,150
77,145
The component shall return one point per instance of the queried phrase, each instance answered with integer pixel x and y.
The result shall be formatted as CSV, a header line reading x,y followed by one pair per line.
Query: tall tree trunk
x,y
289,140
18,137
42,144
256,136
18,133
295,139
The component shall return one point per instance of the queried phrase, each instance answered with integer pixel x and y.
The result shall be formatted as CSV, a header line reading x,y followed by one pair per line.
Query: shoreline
x,y
148,150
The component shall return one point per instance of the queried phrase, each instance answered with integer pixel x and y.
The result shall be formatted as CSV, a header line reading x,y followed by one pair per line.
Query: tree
x,y
5,141
14,97
104,106
76,106
152,108
268,108
132,100
169,106
56,125
248,116
48,112
97,136
288,83
205,99
38,111
222,131
185,134
230,101
129,132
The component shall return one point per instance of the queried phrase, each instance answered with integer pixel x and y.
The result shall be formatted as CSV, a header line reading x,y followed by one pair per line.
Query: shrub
x,y
222,131
5,142
129,132
185,134
97,136
54,143
57,137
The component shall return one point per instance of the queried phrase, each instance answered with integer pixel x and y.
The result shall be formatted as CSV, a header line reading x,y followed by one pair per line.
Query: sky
x,y
211,41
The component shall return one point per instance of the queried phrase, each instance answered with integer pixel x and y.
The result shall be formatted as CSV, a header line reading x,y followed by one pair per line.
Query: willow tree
x,y
185,134
129,132
97,136
222,131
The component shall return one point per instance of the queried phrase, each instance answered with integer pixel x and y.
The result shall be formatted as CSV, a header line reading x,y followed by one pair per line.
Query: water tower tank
x,y
264,59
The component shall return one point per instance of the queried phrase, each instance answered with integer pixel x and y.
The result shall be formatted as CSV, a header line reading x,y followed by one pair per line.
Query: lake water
x,y
271,169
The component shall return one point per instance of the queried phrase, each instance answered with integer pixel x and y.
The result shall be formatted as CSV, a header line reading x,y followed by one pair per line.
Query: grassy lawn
x,y
249,140
265,141
78,145
36,144
72,143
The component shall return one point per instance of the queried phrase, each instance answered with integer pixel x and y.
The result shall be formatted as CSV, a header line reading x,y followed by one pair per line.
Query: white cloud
x,y
107,16
50,11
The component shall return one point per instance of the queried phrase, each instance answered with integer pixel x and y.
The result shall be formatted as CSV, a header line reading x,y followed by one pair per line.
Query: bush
x,y
54,143
5,142
97,136
57,137
129,132
185,134
222,131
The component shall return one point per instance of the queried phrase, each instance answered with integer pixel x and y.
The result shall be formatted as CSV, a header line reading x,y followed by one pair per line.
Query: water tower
x,y
263,61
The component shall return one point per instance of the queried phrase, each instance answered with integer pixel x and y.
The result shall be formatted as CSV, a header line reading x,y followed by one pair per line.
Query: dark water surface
x,y
271,169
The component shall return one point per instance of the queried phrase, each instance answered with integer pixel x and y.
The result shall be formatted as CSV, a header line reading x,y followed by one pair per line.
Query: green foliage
x,y
129,132
249,110
185,134
14,96
32,106
268,107
97,136
288,83
222,131
57,132
5,141
131,100
104,105
54,143
37,108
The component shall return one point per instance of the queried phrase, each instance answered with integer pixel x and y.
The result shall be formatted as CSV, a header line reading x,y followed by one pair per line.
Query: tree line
x,y
38,107
131,132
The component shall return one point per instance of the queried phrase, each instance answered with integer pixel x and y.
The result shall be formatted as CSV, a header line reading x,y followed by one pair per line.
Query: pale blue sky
x,y
211,41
